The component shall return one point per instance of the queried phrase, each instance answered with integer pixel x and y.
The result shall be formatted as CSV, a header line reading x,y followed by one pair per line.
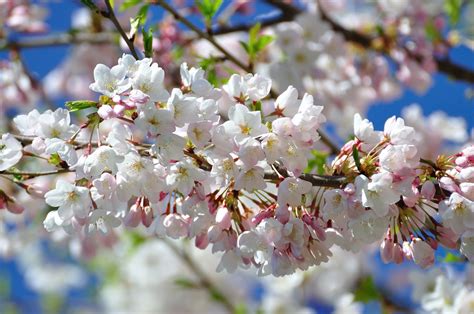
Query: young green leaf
x,y
139,20
208,9
128,4
453,10
148,42
451,258
256,42
77,105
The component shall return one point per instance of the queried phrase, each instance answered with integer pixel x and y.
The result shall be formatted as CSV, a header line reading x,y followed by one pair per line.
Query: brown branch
x,y
444,65
60,39
200,33
111,16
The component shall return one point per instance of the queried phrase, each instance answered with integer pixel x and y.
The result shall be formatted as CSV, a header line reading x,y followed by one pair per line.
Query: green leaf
x,y
366,291
77,105
148,42
208,9
256,42
186,283
139,20
128,4
452,8
209,66
263,42
318,162
451,258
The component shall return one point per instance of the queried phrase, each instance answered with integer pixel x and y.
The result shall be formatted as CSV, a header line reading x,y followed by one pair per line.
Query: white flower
x,y
155,121
309,117
243,123
72,200
182,176
287,103
467,245
291,189
394,158
396,131
64,150
27,124
194,80
250,179
10,151
442,297
149,79
102,220
364,131
377,193
200,133
253,87
132,65
176,226
420,251
102,159
184,109
369,228
110,81
55,124
457,213
250,152
335,203
169,147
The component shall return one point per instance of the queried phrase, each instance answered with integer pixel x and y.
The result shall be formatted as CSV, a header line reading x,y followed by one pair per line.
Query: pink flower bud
x,y
176,226
201,241
397,253
422,253
147,215
133,217
223,218
428,190
106,112
214,233
386,250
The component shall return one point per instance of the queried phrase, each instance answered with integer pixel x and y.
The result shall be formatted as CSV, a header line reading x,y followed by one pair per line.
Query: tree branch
x,y
444,65
60,39
111,16
200,33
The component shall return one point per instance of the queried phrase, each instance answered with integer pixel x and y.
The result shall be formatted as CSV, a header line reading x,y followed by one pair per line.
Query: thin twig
x,y
111,16
34,174
201,33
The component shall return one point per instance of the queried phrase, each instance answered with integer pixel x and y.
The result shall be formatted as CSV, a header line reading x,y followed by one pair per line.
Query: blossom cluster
x,y
22,16
323,61
225,167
